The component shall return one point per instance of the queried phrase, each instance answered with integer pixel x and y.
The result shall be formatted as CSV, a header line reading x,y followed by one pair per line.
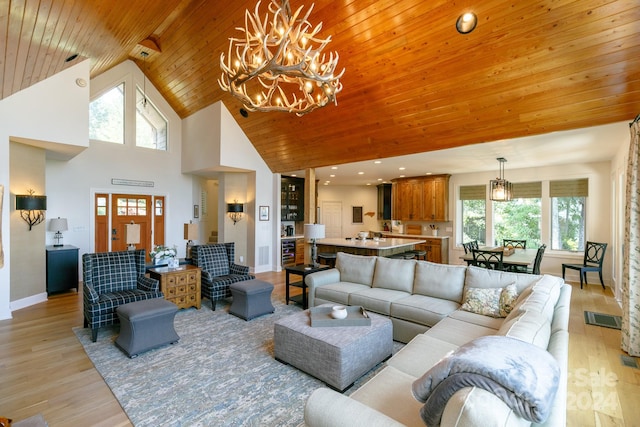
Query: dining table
x,y
378,246
519,257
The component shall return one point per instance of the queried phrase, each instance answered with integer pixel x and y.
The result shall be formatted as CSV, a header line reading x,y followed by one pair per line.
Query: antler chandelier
x,y
279,64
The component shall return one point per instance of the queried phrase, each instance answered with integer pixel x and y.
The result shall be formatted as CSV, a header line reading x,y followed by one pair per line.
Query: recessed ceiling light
x,y
379,179
466,23
429,173
360,173
401,168
293,174
71,58
332,175
401,176
368,183
334,167
377,162
81,82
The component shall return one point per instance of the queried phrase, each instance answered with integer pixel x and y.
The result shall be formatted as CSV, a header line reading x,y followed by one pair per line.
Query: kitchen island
x,y
382,247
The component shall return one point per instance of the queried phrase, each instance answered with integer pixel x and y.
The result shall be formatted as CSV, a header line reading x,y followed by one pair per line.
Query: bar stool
x,y
420,254
327,258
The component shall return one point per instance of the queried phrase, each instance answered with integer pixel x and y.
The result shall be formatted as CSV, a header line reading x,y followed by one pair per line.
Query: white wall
x,y
350,196
71,185
53,110
598,226
213,134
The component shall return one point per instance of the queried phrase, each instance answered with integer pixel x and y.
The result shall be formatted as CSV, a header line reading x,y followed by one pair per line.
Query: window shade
x,y
569,188
473,192
527,190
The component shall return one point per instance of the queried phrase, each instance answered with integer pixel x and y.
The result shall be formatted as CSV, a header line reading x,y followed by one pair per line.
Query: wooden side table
x,y
179,285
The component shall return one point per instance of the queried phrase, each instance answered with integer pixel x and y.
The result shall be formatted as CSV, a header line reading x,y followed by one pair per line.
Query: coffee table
x,y
336,355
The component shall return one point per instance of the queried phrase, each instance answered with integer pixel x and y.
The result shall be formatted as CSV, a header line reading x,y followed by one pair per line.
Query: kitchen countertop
x,y
413,236
297,236
388,243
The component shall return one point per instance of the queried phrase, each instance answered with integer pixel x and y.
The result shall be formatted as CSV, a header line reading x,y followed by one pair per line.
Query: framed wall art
x,y
357,214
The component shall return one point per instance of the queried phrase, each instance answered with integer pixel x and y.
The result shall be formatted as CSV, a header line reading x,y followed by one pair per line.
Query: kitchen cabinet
x,y
292,199
407,199
421,198
437,249
299,251
62,268
384,201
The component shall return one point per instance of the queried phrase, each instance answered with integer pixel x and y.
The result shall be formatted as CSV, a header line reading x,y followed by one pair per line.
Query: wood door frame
x,y
110,193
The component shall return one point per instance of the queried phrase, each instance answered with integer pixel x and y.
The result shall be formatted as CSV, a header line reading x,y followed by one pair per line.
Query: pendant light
x,y
501,189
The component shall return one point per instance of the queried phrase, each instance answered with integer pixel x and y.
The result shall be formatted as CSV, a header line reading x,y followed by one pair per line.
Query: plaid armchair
x,y
111,279
218,270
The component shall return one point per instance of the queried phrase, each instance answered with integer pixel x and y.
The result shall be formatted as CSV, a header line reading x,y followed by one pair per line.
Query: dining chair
x,y
593,259
488,259
514,243
469,246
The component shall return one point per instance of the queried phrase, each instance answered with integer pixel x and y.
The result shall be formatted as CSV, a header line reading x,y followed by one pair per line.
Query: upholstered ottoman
x,y
145,325
336,355
251,298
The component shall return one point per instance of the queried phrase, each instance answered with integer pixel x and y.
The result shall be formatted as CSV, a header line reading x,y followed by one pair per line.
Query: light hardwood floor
x,y
43,368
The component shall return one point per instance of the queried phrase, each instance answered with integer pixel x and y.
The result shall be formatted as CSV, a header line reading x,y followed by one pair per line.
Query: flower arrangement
x,y
161,251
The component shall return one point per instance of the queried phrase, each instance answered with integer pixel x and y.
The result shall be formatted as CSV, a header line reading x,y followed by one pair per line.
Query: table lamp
x,y
58,225
313,232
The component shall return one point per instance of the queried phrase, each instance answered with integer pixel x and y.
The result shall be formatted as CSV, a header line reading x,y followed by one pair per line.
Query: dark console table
x,y
300,270
62,268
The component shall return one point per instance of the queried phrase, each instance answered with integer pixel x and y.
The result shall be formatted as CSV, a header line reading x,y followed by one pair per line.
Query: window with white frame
x,y
568,214
151,125
519,218
474,213
106,116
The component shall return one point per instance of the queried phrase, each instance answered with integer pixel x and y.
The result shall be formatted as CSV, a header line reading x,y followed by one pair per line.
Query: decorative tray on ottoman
x,y
356,316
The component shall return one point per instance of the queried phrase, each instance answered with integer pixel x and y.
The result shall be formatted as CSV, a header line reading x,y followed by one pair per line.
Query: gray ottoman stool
x,y
336,355
145,325
251,298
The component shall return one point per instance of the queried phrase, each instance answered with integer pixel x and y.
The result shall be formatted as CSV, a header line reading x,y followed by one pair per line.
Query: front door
x,y
127,209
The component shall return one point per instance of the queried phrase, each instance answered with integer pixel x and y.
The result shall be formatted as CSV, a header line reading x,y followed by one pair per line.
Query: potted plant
x,y
162,254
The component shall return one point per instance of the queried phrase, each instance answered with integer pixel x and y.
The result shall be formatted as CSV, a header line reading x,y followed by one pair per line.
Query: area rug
x,y
600,319
221,372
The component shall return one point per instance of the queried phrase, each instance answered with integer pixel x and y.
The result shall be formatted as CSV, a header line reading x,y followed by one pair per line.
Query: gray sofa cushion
x,y
356,268
376,299
439,280
422,309
394,274
339,292
529,326
477,277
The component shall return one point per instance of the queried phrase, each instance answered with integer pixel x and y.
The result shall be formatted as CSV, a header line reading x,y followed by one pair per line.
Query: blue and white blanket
x,y
524,376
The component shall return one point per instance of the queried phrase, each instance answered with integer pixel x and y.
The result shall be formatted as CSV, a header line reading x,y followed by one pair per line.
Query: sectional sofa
x,y
441,311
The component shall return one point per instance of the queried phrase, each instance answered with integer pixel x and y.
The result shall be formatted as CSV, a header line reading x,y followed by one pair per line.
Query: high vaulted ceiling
x,y
412,83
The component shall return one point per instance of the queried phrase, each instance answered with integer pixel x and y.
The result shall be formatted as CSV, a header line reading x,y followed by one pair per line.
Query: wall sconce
x,y
313,232
190,234
234,210
132,235
58,225
31,208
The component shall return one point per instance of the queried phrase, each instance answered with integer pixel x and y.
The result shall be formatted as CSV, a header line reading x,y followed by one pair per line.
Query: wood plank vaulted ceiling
x,y
412,83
